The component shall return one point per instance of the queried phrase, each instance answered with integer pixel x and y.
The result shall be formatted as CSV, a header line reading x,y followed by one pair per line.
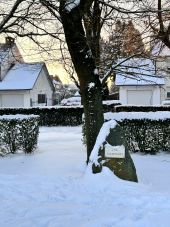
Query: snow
x,y
96,71
53,188
109,102
138,71
160,49
21,76
71,4
159,115
91,85
72,101
166,102
18,116
77,94
76,100
104,132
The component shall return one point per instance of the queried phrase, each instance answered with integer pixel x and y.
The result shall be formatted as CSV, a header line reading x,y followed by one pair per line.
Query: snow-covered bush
x,y
50,116
56,115
148,132
18,132
148,136
139,108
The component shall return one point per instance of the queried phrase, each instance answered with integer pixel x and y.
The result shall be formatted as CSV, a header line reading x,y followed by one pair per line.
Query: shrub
x,y
121,108
148,132
55,116
145,132
18,132
148,136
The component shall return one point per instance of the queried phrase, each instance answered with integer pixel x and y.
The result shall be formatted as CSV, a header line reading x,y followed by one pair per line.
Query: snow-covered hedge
x,y
50,116
129,108
18,132
56,115
148,132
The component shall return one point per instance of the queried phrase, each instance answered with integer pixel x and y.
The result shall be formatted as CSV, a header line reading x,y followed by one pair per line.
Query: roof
x,y
22,76
159,49
138,71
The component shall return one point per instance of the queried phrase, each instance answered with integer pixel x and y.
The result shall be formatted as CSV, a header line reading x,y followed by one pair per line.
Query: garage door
x,y
12,100
139,97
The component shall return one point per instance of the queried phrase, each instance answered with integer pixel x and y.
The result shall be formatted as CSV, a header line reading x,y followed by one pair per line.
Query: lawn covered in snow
x,y
52,188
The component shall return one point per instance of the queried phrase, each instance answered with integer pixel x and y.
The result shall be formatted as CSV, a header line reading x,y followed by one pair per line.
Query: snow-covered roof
x,y
22,76
160,49
138,71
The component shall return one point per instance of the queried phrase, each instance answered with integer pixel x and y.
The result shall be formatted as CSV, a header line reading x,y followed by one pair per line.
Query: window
x,y
41,98
168,94
31,102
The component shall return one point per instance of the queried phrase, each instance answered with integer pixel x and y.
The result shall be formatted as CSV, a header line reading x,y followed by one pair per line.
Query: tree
x,y
80,45
160,23
132,41
90,85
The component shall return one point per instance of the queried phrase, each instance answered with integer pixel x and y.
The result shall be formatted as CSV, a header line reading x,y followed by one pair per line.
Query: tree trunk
x,y
85,67
93,24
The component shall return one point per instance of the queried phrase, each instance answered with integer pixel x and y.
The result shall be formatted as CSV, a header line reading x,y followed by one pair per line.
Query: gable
x,y
43,82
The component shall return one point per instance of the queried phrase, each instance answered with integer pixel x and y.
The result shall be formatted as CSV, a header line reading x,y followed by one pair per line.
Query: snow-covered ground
x,y
52,188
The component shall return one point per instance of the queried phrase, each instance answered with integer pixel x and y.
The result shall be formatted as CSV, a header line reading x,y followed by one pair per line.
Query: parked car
x,y
72,101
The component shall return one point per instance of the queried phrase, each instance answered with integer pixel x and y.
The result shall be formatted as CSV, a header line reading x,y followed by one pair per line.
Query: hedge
x,y
147,136
121,108
18,132
55,116
146,132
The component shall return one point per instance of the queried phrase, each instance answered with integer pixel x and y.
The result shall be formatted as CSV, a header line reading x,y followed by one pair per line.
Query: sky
x,y
31,53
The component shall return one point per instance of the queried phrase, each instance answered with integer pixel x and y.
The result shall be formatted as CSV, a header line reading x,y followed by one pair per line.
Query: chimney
x,y
9,41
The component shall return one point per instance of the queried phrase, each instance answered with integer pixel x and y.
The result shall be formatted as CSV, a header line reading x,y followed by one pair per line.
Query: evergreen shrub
x,y
18,132
55,116
128,108
146,135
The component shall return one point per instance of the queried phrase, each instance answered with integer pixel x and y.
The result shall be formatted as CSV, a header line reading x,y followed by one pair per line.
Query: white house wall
x,y
156,95
163,63
41,86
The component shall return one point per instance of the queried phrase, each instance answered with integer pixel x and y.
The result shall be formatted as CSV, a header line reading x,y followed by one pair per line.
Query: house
x,y
161,54
139,83
22,84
